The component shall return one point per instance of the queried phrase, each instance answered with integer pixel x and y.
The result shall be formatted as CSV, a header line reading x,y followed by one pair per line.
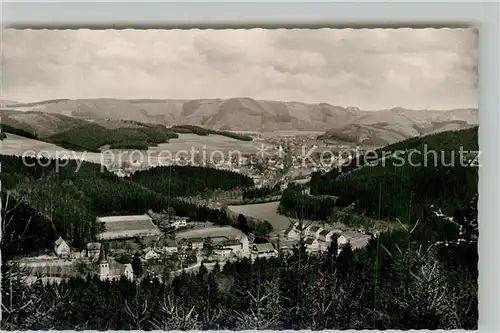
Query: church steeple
x,y
102,253
103,263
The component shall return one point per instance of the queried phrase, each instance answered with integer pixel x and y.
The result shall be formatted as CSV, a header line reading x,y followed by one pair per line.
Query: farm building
x,y
231,237
264,250
168,245
231,246
125,227
61,248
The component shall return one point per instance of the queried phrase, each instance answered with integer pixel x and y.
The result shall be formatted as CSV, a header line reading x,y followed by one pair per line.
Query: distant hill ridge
x,y
240,113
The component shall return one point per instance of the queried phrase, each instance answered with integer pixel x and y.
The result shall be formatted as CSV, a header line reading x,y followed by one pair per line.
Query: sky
x,y
366,68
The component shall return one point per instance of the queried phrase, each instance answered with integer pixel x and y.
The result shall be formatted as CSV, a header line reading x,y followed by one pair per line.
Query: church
x,y
111,269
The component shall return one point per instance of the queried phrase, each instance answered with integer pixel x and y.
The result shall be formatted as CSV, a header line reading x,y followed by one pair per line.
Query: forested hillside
x,y
188,180
91,137
65,200
206,131
415,174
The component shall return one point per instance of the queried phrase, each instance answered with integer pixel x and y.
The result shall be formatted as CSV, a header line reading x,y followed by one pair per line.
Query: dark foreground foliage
x,y
401,280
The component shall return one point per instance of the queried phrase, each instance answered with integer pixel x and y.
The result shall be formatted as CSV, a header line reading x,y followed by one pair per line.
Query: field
x,y
185,146
292,133
265,211
18,145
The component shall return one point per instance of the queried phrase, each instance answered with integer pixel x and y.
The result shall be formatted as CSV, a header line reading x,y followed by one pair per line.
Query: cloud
x,y
369,68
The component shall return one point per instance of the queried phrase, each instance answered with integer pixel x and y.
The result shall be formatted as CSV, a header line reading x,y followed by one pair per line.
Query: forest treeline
x,y
207,131
261,192
65,201
14,130
296,203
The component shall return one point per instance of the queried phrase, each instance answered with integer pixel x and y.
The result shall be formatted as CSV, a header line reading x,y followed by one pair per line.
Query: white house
x,y
93,250
264,250
171,246
342,240
245,246
315,245
292,233
197,243
61,248
286,245
179,222
313,231
151,254
222,251
185,245
236,246
127,271
326,235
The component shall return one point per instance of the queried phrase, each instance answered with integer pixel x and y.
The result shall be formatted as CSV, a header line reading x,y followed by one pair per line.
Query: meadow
x,y
264,211
184,146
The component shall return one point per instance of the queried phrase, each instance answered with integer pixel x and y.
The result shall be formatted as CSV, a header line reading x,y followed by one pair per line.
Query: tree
x,y
137,266
243,224
263,229
208,248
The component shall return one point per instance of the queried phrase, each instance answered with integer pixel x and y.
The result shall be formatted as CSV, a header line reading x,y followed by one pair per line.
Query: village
x,y
282,158
168,248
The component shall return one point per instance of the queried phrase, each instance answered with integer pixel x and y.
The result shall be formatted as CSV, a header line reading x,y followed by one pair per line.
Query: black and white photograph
x,y
239,179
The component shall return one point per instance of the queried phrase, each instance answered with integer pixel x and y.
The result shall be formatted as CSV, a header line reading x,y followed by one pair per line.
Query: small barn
x,y
61,248
292,233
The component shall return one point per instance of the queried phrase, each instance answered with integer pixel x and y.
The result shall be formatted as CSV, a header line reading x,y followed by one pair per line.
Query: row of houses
x,y
316,238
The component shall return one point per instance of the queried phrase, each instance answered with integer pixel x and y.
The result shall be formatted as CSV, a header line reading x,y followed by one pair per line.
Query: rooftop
x,y
264,247
93,246
229,242
124,218
287,243
211,232
59,241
